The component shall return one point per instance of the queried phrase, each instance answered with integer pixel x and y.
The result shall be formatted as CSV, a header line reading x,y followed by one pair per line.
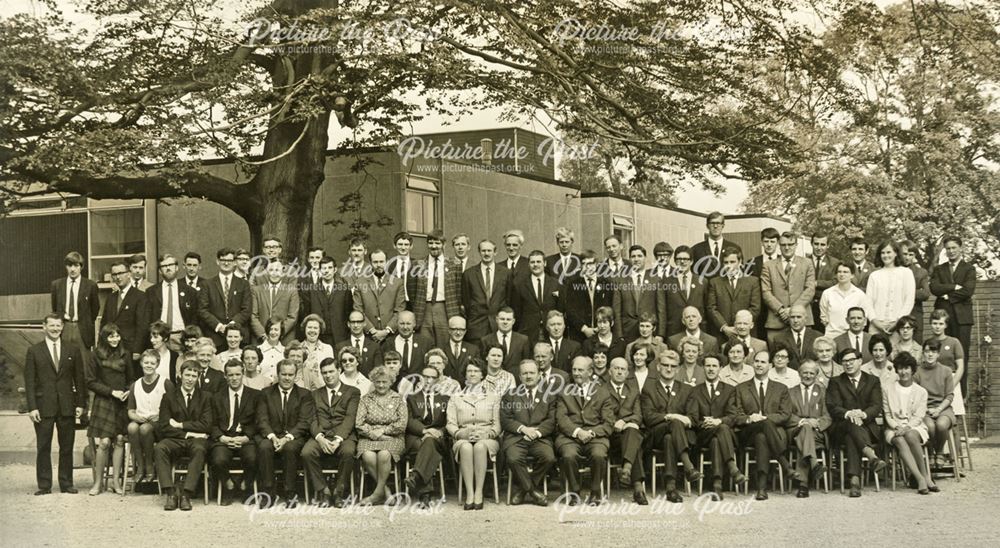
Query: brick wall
x,y
986,307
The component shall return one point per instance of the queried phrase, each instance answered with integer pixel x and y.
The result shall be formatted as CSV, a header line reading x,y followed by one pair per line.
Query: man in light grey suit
x,y
380,297
808,423
784,282
275,298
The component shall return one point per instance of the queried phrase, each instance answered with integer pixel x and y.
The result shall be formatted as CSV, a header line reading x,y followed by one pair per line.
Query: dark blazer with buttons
x,y
675,302
575,303
841,397
554,267
371,354
722,302
655,402
786,338
480,312
333,307
187,300
721,406
212,380
710,265
131,317
213,310
595,412
297,418
846,340
246,415
629,303
55,393
776,406
520,348
568,349
957,302
196,418
529,311
455,368
817,406
517,410
88,305
419,346
627,407
417,404
338,419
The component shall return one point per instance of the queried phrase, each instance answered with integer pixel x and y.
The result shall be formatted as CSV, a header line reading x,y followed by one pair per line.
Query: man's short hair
x,y
402,236
683,249
769,233
233,362
222,252
355,242
536,253
136,259
315,248
436,235
563,232
858,241
588,254
730,250
52,316
73,258
715,215
951,238
192,365
192,255
460,235
327,259
392,355
662,247
515,233
636,247
611,237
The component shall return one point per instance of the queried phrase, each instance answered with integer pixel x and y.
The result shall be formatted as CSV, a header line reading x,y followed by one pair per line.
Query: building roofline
x,y
609,194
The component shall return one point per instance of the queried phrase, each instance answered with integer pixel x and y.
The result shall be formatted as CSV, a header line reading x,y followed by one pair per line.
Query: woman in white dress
x,y
904,405
891,289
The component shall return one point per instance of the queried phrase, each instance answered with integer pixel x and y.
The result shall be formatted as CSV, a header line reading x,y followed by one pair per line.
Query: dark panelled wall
x,y
34,247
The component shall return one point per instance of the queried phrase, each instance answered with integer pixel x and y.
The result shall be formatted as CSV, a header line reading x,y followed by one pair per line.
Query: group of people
x,y
530,362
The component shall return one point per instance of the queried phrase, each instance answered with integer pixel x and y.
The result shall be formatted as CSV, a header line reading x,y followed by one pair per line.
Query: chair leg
x,y
441,480
701,470
204,475
654,475
954,455
965,440
496,488
840,466
510,483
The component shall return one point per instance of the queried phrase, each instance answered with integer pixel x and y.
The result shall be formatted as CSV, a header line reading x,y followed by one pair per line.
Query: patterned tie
x,y
788,267
225,294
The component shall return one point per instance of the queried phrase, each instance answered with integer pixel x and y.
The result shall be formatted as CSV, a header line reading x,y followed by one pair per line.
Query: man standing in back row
x,y
75,299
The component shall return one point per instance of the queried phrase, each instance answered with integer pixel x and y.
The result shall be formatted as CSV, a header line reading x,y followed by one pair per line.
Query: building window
x,y
115,234
622,227
422,205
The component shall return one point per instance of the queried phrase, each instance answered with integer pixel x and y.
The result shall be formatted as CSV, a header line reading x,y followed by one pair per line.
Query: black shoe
x,y
69,490
761,495
674,496
572,499
924,491
625,477
639,498
517,499
855,488
411,484
803,493
185,503
818,470
425,501
477,506
538,498
879,465
171,503
934,489
739,479
468,506
693,475
41,492
291,503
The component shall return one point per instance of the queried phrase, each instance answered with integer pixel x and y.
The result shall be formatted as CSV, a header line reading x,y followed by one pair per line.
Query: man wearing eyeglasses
x,y
172,302
854,399
425,434
368,349
127,308
224,300
786,282
710,249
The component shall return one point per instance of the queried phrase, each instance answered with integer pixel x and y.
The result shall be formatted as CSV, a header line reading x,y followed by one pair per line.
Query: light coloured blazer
x,y
777,290
479,410
817,406
896,415
380,303
285,309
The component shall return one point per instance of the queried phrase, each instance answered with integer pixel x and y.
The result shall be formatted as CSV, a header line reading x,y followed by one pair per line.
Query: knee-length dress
x,y
904,406
474,410
940,386
108,416
387,412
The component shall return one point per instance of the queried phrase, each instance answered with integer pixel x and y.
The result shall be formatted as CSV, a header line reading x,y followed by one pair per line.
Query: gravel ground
x,y
962,514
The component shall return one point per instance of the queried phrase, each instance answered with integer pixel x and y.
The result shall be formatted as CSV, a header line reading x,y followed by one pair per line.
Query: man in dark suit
x,y
857,336
762,410
552,379
664,403
516,346
514,262
225,299
787,281
192,268
584,422
564,264
635,294
582,295
285,413
769,251
626,436
458,351
712,409
75,299
680,291
707,254
484,291
437,292
56,393
528,420
380,297
460,246
332,431
210,380
410,345
128,308
922,282
369,350
798,338
809,421
425,434
854,400
308,281
563,349
862,266
730,293
692,328
954,283
182,430
172,302
825,266
532,296
332,300
613,263
234,428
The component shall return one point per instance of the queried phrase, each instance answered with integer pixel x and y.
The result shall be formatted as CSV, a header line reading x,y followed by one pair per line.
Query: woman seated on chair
x,y
903,339
880,347
939,382
349,361
824,348
252,376
691,371
109,376
781,356
381,423
446,384
143,412
312,326
272,350
474,424
306,369
498,380
904,406
951,356
605,320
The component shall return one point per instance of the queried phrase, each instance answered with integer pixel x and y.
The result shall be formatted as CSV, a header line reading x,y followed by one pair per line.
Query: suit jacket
x,y
212,380
776,405
297,418
616,350
187,300
722,302
826,274
922,281
675,301
131,316
554,268
627,407
480,312
655,402
452,290
88,305
380,303
816,410
55,393
455,368
846,340
529,311
437,416
860,277
517,410
786,338
578,307
198,282
957,302
338,419
283,307
520,268
196,418
246,415
333,307
591,412
371,354
629,302
758,263
841,397
419,346
568,349
710,345
778,291
213,309
520,349
710,265
720,406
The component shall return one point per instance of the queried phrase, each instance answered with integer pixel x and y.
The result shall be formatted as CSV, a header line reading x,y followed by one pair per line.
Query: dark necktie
x,y
715,252
531,399
684,284
236,411
357,346
187,401
798,341
332,395
555,350
538,290
225,294
805,396
284,401
488,282
854,381
121,299
434,281
760,394
427,406
619,389
857,344
788,267
503,343
406,353
72,300
711,392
